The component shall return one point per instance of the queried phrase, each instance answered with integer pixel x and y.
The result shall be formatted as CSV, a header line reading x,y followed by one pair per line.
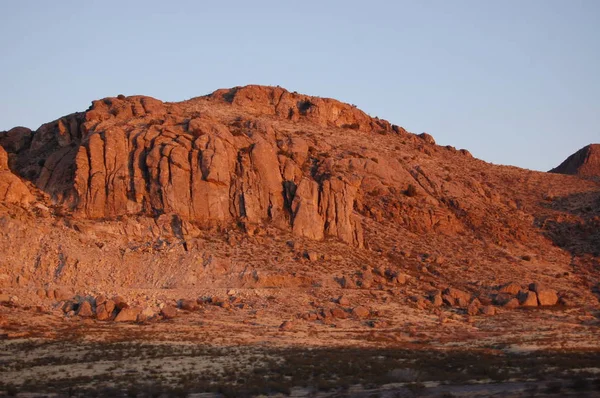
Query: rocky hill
x,y
585,162
260,198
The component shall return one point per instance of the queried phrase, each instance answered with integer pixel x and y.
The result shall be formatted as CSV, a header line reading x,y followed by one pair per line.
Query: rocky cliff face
x,y
585,162
12,189
137,155
255,156
257,187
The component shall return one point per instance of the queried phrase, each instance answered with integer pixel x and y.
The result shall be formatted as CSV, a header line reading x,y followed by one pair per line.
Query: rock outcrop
x,y
137,155
585,162
255,156
12,189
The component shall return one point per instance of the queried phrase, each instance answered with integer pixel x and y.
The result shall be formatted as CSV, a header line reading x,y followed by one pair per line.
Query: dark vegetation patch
x,y
254,370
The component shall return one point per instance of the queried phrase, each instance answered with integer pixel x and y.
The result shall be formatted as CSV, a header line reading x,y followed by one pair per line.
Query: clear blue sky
x,y
514,81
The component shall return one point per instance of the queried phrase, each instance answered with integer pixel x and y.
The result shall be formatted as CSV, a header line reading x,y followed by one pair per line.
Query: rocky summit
x,y
255,215
585,162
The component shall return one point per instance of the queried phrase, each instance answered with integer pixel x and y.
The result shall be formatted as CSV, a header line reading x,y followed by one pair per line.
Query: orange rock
x,y
360,312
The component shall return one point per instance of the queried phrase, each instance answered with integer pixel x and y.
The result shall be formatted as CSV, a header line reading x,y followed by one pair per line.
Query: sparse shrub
x,y
580,383
411,191
553,387
304,106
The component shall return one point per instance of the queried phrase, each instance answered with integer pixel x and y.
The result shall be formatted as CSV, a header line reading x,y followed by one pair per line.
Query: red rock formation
x,y
12,189
585,162
255,155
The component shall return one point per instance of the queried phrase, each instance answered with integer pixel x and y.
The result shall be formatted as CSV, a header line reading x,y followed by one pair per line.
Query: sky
x,y
516,82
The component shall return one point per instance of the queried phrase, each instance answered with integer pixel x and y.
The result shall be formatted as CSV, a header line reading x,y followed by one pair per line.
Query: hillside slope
x,y
253,206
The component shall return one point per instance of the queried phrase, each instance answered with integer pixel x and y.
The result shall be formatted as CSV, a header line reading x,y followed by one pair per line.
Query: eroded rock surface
x,y
585,162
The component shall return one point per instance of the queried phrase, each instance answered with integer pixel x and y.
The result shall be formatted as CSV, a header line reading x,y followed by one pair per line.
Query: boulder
x,y
168,312
102,312
146,314
12,189
339,313
343,301
527,299
110,306
360,312
510,288
128,314
85,309
545,296
437,300
286,326
502,298
100,299
62,294
511,304
188,305
488,310
459,296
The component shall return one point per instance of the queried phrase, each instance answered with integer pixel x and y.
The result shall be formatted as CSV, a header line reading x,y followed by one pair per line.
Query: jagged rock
x,y
120,303
502,298
103,312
